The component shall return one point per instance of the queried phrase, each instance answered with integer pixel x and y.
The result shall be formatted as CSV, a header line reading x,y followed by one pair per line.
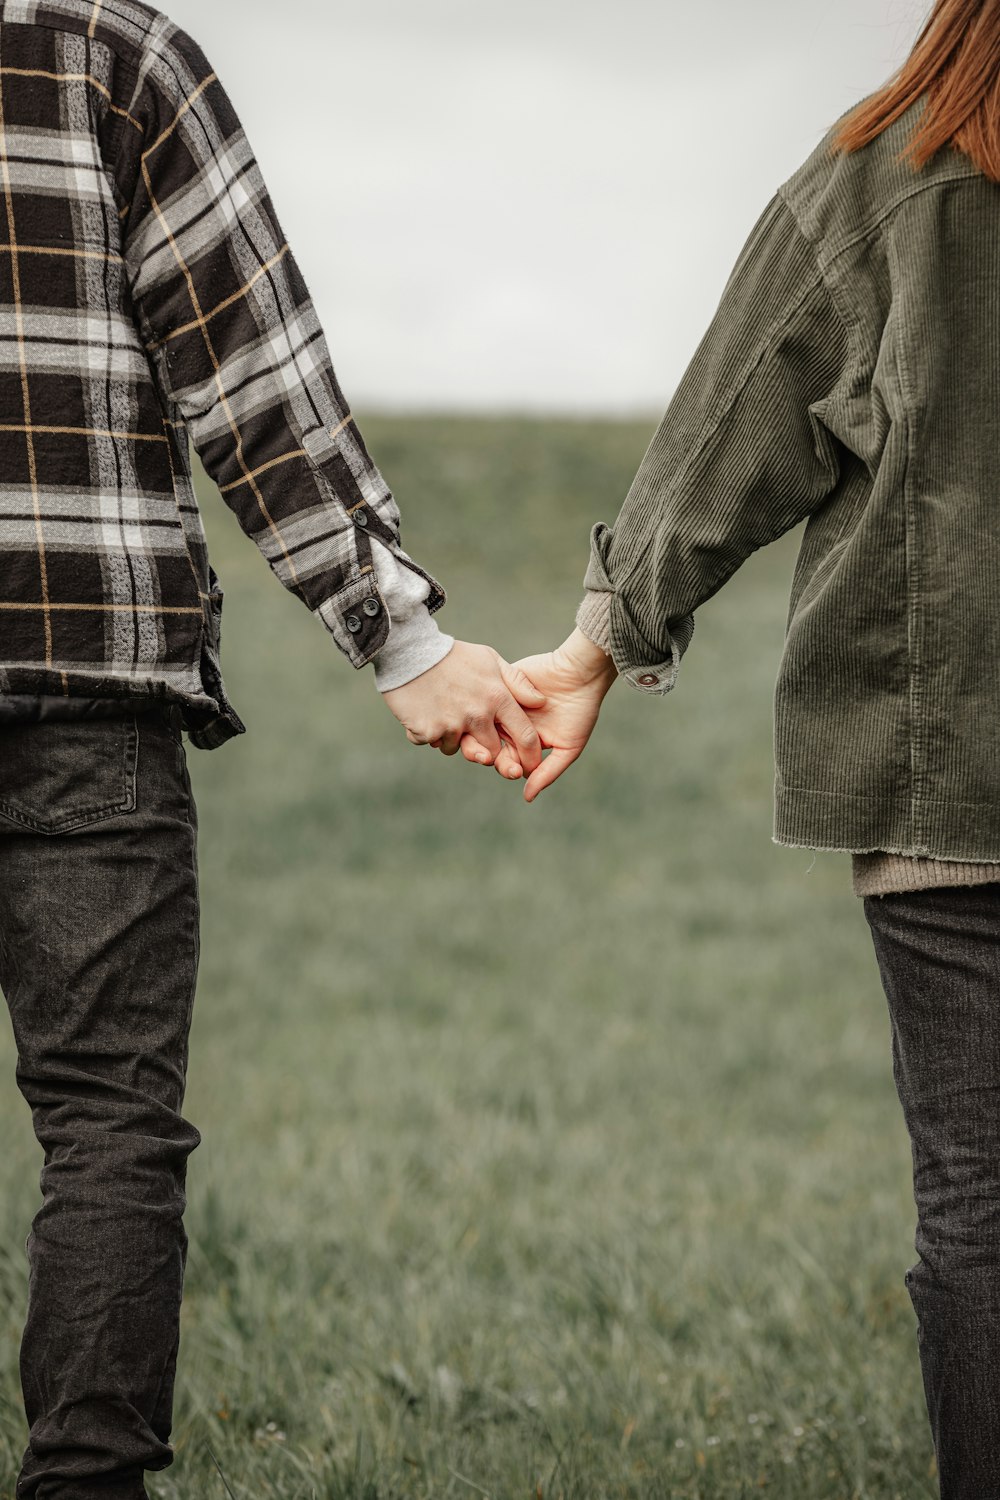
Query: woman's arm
x,y
745,450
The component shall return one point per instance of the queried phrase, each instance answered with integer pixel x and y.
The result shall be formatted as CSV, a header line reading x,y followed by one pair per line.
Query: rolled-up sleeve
x,y
744,452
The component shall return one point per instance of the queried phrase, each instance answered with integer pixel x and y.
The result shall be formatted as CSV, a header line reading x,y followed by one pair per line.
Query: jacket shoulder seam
x,y
828,254
897,203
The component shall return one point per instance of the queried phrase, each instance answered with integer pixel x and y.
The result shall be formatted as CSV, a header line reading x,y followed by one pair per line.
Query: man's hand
x,y
473,692
575,679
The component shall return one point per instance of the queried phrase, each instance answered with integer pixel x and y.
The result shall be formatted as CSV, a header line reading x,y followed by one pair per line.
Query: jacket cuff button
x,y
353,624
649,679
371,608
361,517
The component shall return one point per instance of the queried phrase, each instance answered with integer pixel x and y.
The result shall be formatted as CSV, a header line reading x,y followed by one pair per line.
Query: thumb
x,y
550,770
521,687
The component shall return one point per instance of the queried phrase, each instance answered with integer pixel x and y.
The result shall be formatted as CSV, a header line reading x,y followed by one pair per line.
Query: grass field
x,y
549,1153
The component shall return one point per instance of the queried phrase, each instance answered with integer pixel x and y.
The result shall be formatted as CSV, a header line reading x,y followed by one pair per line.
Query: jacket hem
x,y
957,832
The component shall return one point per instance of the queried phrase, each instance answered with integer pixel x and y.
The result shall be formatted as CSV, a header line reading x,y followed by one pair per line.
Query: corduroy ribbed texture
x,y
872,874
851,379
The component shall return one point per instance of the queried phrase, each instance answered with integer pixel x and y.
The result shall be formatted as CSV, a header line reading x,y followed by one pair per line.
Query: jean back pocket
x,y
60,777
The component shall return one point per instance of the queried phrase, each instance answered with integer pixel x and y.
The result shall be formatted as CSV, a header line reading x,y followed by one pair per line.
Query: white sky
x,y
533,204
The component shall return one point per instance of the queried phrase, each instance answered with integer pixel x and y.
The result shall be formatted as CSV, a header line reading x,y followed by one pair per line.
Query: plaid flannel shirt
x,y
148,293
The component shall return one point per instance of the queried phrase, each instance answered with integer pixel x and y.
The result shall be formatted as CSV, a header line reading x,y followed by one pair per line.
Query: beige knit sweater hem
x,y
873,874
884,874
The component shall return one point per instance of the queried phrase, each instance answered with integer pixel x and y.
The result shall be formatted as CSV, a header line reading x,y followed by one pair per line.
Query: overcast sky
x,y
532,205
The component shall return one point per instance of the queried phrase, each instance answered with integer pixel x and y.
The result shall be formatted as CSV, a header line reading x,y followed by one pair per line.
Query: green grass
x,y
547,1152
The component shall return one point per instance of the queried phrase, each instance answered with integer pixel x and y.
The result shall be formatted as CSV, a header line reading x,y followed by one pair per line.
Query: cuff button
x,y
353,624
361,517
371,608
649,679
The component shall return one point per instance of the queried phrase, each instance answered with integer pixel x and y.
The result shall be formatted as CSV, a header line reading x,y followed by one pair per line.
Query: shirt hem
x,y
208,721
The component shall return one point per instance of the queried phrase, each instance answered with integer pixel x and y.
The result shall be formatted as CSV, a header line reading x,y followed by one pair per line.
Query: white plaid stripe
x,y
66,504
34,148
116,537
95,359
82,182
296,534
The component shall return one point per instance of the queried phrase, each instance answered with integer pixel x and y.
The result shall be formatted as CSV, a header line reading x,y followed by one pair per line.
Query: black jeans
x,y
98,958
939,956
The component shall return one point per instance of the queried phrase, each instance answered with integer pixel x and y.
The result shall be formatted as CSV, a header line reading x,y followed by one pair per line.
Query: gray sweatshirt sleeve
x,y
415,642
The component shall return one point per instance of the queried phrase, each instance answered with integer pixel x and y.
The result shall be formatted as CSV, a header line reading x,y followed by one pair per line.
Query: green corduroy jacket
x,y
850,378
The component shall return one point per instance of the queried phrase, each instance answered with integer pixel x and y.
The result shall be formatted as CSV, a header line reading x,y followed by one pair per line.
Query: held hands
x,y
575,679
505,715
473,693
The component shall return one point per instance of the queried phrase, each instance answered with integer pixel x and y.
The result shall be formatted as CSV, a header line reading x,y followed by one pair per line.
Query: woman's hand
x,y
575,679
473,692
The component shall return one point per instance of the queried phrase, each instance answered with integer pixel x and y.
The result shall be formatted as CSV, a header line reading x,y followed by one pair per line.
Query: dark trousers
x,y
98,957
939,956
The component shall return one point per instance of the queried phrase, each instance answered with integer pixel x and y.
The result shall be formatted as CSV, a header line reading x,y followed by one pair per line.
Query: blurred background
x,y
549,1151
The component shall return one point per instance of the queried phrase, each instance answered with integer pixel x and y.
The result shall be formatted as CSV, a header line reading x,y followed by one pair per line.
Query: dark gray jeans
x,y
98,957
939,956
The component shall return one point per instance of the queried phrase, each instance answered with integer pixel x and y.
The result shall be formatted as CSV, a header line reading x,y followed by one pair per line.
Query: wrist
x,y
413,646
588,660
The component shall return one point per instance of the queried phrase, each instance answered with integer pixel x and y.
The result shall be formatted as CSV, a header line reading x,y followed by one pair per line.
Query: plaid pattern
x,y
147,294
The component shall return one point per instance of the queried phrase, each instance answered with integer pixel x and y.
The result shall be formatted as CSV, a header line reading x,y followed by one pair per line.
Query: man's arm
x,y
234,339
232,334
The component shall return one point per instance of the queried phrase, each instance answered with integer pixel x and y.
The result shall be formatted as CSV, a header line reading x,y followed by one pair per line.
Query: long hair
x,y
956,64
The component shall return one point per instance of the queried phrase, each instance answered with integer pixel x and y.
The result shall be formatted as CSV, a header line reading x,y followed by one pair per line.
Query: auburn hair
x,y
956,64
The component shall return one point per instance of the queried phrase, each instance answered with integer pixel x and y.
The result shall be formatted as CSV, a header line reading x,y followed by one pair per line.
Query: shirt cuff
x,y
412,647
648,668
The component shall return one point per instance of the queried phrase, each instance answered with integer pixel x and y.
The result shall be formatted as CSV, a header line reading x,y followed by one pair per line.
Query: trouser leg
x,y
939,956
98,959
